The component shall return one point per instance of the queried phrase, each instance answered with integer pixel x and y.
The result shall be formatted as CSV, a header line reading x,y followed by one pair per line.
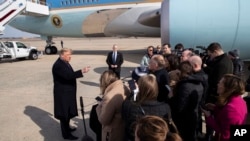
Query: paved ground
x,y
26,99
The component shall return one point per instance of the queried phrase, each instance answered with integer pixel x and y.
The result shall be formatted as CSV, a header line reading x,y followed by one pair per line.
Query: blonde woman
x,y
109,109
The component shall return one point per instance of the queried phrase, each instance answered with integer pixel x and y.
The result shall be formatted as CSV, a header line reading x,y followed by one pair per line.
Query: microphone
x,y
81,102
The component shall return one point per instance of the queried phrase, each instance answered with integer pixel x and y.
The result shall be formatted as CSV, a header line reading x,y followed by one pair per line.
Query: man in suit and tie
x,y
64,78
115,60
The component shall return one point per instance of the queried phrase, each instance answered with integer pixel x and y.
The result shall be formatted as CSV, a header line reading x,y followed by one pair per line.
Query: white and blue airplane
x,y
190,22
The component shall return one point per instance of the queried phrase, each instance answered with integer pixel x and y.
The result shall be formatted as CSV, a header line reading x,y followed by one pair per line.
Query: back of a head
x,y
214,46
174,61
148,88
196,62
106,79
186,69
160,61
154,128
151,128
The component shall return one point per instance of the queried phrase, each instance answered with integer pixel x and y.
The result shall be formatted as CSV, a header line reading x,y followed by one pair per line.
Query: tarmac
x,y
26,86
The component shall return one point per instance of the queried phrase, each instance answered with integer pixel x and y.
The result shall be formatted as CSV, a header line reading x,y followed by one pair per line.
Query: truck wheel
x,y
33,56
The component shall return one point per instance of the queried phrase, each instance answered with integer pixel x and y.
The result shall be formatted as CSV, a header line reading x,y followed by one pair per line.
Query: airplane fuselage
x,y
190,22
91,19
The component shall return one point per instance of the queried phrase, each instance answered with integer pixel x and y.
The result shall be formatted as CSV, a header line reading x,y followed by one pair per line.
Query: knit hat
x,y
138,72
234,53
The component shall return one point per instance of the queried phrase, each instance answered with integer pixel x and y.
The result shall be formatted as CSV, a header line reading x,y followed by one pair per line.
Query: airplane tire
x,y
54,50
48,50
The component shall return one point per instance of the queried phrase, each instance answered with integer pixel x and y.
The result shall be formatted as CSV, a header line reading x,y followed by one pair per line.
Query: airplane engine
x,y
199,23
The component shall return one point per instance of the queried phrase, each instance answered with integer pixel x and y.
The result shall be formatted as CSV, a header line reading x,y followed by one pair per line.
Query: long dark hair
x,y
233,86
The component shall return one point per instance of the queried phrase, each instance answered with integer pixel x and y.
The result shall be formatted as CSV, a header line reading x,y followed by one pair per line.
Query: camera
x,y
98,98
204,51
177,52
203,54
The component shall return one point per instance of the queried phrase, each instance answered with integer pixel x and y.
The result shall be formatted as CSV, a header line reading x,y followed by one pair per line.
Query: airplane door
x,y
21,50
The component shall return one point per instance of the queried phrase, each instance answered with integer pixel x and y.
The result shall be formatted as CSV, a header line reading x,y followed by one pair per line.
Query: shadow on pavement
x,y
49,127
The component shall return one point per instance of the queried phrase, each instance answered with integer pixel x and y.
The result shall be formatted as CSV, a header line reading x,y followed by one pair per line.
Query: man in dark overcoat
x,y
216,67
65,106
115,60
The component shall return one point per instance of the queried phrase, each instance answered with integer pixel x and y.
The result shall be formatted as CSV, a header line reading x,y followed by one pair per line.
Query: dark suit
x,y
118,62
65,106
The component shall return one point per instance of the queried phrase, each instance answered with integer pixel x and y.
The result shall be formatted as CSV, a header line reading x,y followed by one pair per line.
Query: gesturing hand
x,y
85,69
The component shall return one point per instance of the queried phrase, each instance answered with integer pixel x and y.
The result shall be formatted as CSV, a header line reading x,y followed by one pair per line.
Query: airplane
x,y
190,22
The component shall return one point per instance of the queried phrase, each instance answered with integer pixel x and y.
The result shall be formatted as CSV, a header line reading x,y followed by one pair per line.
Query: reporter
x,y
154,128
230,108
109,109
146,104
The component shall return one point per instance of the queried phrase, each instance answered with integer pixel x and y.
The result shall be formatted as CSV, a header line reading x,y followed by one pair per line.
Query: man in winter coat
x,y
64,77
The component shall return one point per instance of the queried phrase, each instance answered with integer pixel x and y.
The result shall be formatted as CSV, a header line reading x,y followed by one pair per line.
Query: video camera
x,y
177,52
203,52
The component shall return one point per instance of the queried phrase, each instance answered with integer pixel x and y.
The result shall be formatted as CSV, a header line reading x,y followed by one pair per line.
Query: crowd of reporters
x,y
180,85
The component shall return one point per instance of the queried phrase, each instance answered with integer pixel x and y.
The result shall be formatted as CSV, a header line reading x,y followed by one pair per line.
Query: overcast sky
x,y
12,32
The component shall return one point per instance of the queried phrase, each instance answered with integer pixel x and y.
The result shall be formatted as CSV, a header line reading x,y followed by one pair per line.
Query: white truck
x,y
17,50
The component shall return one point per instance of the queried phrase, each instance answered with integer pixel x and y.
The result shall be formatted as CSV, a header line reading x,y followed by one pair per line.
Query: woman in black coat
x,y
65,106
185,102
146,104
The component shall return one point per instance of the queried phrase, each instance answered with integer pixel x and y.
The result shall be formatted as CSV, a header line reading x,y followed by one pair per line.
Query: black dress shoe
x,y
72,129
71,137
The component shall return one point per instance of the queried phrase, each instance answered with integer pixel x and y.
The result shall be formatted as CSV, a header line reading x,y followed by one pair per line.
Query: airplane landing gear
x,y
50,48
